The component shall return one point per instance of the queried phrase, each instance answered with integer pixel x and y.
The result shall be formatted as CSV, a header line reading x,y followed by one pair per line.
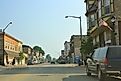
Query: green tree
x,y
48,57
37,48
87,46
21,56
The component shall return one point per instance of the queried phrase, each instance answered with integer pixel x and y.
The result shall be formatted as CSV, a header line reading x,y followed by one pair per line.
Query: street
x,y
48,72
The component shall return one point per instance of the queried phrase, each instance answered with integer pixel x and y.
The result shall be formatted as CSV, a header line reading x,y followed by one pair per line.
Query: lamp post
x,y
3,39
113,19
80,28
80,23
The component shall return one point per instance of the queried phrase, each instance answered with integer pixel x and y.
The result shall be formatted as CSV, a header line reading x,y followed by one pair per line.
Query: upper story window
x,y
87,6
107,6
87,22
99,8
92,20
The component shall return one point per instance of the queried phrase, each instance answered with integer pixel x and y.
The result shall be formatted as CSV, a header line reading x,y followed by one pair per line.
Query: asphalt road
x,y
47,72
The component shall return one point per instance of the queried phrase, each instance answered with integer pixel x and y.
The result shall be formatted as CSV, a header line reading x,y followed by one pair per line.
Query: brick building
x,y
75,45
10,48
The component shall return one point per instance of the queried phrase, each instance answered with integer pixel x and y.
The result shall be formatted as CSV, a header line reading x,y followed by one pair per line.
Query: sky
x,y
43,22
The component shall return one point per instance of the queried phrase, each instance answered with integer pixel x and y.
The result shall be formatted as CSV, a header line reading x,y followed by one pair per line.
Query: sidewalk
x,y
12,67
2,68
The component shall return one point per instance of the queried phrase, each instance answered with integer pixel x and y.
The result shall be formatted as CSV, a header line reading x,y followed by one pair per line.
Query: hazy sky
x,y
42,22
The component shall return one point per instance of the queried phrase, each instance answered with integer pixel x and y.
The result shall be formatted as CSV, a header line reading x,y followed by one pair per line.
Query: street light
x,y
7,26
113,19
3,38
80,28
80,23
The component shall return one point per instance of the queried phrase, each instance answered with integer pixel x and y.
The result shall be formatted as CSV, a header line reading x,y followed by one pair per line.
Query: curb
x,y
12,67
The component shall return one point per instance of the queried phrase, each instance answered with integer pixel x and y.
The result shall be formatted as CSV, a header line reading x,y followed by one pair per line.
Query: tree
x,y
86,47
21,56
48,57
39,49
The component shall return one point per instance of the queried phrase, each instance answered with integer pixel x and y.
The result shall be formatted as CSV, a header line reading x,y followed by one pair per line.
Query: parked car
x,y
80,62
30,62
62,61
53,62
105,61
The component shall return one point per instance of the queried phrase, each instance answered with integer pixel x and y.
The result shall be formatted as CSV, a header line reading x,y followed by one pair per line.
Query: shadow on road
x,y
42,70
86,78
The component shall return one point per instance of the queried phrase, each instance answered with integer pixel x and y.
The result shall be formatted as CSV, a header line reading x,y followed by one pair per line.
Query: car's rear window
x,y
102,53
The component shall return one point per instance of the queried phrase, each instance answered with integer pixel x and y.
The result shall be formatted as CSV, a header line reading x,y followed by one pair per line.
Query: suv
x,y
103,61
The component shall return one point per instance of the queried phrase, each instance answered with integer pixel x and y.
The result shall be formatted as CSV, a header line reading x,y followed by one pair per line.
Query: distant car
x,y
30,62
105,61
62,61
80,62
53,62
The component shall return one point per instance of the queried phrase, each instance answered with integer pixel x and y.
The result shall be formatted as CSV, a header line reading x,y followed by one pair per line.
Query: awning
x,y
11,54
99,29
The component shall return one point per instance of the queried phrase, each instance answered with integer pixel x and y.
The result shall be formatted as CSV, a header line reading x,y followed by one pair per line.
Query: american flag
x,y
103,23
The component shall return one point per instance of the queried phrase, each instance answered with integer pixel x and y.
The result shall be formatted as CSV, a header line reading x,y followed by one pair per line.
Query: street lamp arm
x,y
73,17
7,26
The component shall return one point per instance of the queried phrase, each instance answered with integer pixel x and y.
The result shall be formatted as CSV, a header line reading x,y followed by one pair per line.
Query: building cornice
x,y
11,37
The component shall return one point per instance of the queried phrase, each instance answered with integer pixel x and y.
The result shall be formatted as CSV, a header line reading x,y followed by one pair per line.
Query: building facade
x,y
28,51
66,48
10,48
37,57
104,21
75,45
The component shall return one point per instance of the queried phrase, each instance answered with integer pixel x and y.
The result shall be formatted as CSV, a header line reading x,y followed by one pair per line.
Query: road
x,y
48,72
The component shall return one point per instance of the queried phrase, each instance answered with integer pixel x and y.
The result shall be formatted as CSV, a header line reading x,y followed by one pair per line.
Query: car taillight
x,y
106,61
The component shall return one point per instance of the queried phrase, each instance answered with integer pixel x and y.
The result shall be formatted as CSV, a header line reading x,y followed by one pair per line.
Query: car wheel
x,y
101,76
87,71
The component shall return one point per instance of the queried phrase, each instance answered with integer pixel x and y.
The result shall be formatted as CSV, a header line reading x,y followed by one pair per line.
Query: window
x,y
87,22
108,35
92,20
95,54
87,6
107,6
102,53
6,44
99,8
15,48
